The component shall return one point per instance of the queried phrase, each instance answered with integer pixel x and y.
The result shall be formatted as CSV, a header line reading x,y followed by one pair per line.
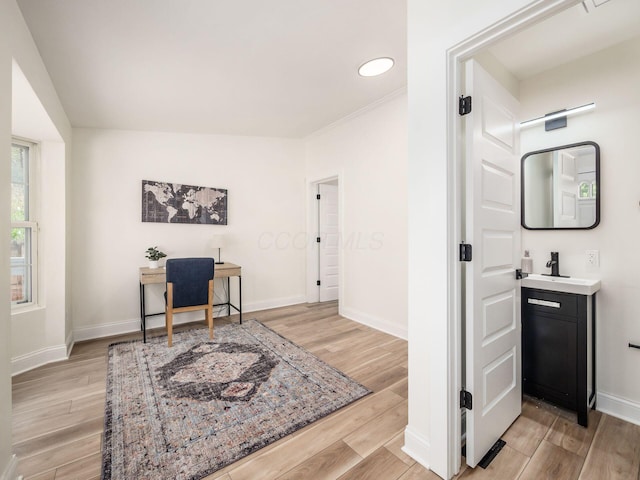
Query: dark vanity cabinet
x,y
558,349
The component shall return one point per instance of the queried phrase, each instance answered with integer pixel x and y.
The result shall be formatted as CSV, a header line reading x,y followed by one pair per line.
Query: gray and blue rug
x,y
186,411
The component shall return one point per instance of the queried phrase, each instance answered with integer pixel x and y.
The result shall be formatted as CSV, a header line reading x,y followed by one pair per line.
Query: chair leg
x,y
210,321
209,311
169,313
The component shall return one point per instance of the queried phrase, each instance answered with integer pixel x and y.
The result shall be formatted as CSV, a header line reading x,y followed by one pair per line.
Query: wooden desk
x,y
151,276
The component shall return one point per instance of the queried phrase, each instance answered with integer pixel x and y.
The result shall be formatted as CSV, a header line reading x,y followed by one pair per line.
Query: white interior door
x,y
565,197
492,293
329,242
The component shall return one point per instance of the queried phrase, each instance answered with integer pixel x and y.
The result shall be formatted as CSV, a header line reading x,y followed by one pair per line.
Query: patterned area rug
x,y
185,412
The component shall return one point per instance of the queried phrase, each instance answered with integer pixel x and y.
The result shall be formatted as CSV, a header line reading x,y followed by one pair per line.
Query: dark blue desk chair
x,y
189,288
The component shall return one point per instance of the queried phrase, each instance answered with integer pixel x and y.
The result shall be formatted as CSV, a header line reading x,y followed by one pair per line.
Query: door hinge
x,y
464,105
318,282
466,400
318,197
465,252
318,239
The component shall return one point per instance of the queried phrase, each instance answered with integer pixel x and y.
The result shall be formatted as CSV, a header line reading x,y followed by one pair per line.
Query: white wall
x,y
434,29
39,334
5,202
265,196
16,44
609,78
368,151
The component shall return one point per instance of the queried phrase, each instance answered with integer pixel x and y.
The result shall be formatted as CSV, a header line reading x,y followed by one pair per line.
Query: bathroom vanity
x,y
558,340
560,190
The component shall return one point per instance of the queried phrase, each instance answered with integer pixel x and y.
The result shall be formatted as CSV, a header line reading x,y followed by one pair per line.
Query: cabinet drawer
x,y
550,302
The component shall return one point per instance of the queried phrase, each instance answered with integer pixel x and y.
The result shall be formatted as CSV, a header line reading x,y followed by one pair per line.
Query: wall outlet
x,y
593,258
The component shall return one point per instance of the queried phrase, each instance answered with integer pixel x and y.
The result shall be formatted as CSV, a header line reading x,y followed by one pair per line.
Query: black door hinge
x,y
318,197
318,239
465,252
464,105
318,282
466,400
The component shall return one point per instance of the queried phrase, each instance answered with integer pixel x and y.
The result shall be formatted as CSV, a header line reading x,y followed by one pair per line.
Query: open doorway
x,y
323,261
557,79
328,246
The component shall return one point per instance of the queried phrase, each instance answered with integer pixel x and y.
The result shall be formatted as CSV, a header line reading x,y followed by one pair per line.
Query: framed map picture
x,y
177,203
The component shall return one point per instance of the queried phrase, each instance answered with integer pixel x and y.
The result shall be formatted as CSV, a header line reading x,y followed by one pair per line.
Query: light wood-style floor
x,y
58,419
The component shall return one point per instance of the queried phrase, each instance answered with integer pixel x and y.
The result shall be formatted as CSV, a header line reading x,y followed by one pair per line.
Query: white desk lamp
x,y
218,241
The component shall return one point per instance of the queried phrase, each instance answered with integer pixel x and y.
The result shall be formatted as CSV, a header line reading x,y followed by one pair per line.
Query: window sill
x,y
24,309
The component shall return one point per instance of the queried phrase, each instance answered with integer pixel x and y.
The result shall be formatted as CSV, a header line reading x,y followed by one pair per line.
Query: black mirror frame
x,y
598,186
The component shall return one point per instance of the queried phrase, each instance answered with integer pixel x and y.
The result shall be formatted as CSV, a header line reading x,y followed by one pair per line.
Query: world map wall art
x,y
164,202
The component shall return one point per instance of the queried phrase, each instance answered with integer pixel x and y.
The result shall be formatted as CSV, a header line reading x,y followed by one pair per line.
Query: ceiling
x,y
586,28
247,67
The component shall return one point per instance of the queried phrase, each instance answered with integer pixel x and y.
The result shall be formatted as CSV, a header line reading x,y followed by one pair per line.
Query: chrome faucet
x,y
554,264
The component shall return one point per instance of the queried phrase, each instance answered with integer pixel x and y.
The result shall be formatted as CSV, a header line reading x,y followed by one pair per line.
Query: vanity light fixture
x,y
374,67
557,119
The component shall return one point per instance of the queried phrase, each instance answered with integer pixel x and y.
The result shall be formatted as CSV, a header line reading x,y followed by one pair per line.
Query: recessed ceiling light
x,y
374,67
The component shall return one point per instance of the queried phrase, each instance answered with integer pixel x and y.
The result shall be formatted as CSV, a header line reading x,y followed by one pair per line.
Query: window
x,y
585,190
24,229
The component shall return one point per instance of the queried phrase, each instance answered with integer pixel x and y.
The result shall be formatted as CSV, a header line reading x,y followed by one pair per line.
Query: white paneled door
x,y
492,293
329,242
565,188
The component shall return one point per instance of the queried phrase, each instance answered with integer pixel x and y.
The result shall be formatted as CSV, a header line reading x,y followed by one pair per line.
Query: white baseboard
x,y
618,407
374,322
31,360
70,343
133,325
10,472
279,302
417,447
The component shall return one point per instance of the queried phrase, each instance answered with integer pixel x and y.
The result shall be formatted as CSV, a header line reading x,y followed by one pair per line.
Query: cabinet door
x,y
549,357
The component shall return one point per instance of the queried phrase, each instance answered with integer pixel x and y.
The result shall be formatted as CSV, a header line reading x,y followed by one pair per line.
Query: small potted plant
x,y
153,254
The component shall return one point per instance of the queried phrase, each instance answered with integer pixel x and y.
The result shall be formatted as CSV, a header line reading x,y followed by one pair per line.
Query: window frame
x,y
587,185
31,222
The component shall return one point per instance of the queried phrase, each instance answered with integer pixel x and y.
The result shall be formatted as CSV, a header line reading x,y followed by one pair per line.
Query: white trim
x,y
10,471
357,113
313,270
34,195
313,273
19,309
618,407
374,322
276,303
133,325
81,334
37,358
417,447
70,342
449,425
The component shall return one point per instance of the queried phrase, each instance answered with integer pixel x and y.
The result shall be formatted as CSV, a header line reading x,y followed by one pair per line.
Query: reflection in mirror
x,y
560,187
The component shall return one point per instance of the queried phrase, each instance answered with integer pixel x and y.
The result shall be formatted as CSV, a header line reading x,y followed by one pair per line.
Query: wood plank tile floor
x,y
58,418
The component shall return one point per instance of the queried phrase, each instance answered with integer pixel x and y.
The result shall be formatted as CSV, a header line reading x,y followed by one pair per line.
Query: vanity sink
x,y
579,286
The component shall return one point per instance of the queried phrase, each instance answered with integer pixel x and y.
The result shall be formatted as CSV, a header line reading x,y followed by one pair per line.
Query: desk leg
x,y
240,296
143,314
228,297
